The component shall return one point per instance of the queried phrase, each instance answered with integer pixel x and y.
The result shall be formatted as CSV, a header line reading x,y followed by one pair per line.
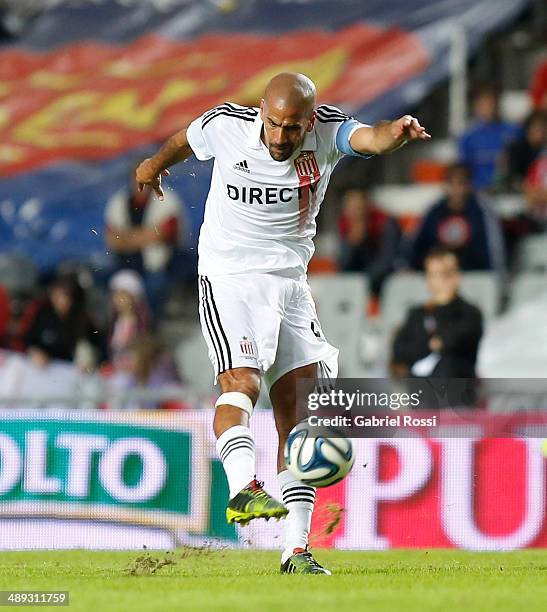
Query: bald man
x,y
271,170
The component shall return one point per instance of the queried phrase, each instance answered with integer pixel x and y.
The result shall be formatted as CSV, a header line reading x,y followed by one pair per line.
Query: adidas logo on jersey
x,y
243,166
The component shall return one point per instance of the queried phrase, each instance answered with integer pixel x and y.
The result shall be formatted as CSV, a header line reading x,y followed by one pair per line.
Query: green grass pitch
x,y
193,579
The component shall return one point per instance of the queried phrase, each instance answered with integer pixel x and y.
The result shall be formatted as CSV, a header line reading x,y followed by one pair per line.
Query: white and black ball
x,y
319,461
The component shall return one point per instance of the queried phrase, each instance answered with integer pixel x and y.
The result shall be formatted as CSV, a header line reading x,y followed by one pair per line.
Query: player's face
x,y
284,130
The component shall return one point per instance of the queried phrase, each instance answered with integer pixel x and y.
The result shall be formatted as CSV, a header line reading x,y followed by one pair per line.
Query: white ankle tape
x,y
237,399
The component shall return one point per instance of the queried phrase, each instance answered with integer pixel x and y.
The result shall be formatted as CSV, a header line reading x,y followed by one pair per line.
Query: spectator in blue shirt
x,y
482,144
461,223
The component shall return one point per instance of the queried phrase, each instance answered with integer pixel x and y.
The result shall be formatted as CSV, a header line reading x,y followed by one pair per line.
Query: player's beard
x,y
281,154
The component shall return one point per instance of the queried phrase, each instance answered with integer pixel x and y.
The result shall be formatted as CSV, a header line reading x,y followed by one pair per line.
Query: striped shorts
x,y
263,321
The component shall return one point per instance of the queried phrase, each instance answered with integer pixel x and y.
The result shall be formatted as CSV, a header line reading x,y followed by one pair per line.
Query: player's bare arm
x,y
387,136
150,171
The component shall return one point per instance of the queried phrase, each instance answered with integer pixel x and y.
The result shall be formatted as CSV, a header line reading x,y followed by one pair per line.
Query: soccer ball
x,y
318,461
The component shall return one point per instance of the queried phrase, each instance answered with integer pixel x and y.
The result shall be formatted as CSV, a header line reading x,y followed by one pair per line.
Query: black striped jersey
x,y
260,213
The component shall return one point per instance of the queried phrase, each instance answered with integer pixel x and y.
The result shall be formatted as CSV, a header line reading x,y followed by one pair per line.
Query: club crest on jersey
x,y
307,168
247,347
308,177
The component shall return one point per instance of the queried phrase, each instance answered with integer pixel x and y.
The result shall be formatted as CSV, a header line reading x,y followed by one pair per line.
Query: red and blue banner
x,y
88,88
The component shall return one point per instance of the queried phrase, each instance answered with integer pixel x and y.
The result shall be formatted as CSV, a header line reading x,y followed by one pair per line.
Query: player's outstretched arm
x,y
150,171
387,136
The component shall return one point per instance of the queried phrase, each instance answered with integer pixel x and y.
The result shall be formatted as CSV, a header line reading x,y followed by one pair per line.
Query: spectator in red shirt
x,y
5,313
535,189
538,88
142,233
369,239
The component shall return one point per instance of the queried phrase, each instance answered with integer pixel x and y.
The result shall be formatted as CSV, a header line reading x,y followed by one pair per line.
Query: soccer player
x,y
272,167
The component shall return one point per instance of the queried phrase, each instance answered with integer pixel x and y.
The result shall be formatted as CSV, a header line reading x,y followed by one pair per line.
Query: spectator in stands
x,y
483,142
441,337
130,316
538,87
152,366
520,173
148,366
535,190
59,323
461,223
142,233
369,239
5,314
523,152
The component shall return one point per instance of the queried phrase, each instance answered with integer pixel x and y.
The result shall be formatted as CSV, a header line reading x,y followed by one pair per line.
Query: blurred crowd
x,y
461,232
113,346
494,156
59,346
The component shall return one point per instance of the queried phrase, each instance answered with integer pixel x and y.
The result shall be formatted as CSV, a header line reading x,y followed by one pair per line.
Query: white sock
x,y
236,449
299,499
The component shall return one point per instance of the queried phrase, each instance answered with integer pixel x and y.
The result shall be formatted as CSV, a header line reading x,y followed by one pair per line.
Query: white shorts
x,y
263,321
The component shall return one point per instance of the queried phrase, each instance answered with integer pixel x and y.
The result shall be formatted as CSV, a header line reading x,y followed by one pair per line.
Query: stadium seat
x,y
426,170
322,265
341,300
532,253
18,274
400,200
526,287
400,292
442,150
484,290
408,223
193,362
406,289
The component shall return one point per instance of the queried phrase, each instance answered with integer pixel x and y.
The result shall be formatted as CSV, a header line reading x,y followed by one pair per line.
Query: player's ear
x,y
311,123
262,109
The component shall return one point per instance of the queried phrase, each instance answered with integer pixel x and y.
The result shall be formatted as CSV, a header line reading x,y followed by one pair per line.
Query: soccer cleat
x,y
253,502
302,562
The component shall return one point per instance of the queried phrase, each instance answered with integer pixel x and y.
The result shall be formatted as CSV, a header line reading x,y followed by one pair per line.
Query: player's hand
x,y
146,174
409,128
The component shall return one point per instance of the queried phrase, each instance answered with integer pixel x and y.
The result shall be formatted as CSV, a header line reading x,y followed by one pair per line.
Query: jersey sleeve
x,y
213,133
338,129
199,138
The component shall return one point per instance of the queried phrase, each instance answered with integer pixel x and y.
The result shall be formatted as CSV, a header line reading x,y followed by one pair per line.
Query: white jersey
x,y
260,213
